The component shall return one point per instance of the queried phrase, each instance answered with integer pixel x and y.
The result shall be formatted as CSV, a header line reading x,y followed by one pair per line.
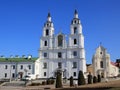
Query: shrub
x,y
58,80
89,78
48,82
81,79
71,81
52,81
43,83
94,79
99,78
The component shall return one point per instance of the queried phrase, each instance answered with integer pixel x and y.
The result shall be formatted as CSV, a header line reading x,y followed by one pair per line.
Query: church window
x,y
74,64
21,67
75,21
74,53
45,65
74,74
47,24
45,54
5,75
101,64
75,41
45,43
29,66
100,52
59,55
75,30
13,75
59,65
60,41
6,66
13,66
47,32
44,73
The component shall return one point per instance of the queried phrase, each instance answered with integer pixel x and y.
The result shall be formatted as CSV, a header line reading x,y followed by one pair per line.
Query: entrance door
x,y
21,75
102,75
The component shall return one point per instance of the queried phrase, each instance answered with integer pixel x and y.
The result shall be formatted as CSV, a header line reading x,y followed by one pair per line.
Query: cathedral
x,y
58,54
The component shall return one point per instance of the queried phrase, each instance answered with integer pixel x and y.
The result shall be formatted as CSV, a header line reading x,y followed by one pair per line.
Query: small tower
x,y
76,14
76,27
76,36
48,29
48,34
76,42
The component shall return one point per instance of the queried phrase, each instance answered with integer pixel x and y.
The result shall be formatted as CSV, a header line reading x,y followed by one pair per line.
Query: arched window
x,y
101,64
74,53
75,21
59,55
60,41
75,30
75,41
45,43
47,32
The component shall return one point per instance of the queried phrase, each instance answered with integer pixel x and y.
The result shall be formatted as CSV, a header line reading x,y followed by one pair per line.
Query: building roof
x,y
18,59
114,64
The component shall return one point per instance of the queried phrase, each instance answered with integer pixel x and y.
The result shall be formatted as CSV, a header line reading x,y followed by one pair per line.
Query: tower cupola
x,y
49,21
49,17
75,20
76,14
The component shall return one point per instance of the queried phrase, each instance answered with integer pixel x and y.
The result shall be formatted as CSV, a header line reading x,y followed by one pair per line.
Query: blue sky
x,y
21,23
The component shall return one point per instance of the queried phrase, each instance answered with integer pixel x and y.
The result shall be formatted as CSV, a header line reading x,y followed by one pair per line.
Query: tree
x,y
81,79
99,78
89,78
58,80
94,79
71,81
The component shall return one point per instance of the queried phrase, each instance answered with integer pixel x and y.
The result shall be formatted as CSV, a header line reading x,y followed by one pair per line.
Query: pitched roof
x,y
18,59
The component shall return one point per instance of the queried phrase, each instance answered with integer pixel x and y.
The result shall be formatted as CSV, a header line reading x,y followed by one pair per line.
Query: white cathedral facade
x,y
58,54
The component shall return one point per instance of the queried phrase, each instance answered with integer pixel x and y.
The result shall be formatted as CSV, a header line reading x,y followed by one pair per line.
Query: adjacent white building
x,y
102,64
16,68
58,54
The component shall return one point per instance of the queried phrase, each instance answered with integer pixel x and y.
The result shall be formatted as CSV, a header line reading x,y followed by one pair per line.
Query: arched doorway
x,y
20,75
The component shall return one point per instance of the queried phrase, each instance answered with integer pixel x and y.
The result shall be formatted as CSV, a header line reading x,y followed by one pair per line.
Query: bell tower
x,y
76,27
48,29
48,34
76,42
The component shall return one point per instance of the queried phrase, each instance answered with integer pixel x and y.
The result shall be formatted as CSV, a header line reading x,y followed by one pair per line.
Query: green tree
x,y
81,79
71,81
99,78
58,80
94,79
89,78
